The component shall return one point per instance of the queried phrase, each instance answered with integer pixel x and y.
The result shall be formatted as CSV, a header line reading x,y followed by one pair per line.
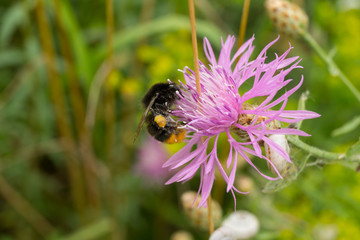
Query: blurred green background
x,y
72,75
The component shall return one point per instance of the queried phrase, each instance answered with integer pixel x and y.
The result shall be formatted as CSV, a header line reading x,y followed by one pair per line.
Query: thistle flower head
x,y
220,108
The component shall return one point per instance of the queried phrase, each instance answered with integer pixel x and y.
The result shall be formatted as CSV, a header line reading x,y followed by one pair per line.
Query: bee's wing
x,y
141,123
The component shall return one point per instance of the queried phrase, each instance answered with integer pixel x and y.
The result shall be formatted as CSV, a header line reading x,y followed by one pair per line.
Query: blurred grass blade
x,y
11,57
96,230
10,21
78,44
170,23
24,208
347,127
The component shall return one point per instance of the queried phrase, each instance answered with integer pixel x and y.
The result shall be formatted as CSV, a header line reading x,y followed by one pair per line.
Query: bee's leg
x,y
171,122
180,134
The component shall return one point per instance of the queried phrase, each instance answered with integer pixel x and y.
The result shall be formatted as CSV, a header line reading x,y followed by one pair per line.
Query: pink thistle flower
x,y
222,109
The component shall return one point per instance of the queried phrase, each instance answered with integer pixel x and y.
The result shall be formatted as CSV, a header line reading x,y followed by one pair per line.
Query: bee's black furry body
x,y
165,95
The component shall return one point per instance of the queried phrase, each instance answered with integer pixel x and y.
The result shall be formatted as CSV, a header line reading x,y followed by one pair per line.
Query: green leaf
x,y
354,152
299,163
274,186
170,23
352,157
347,127
93,231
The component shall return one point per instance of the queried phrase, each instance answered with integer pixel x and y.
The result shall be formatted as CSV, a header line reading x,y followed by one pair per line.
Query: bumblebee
x,y
158,102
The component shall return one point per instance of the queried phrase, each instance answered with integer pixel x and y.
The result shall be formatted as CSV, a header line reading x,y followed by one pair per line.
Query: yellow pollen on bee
x,y
160,120
181,135
176,137
171,139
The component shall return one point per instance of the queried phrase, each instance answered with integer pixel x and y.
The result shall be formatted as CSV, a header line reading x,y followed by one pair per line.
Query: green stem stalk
x,y
198,88
194,44
243,22
314,150
325,156
110,120
109,107
332,67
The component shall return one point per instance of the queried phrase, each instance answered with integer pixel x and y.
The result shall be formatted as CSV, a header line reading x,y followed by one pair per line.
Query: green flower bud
x,y
199,215
287,17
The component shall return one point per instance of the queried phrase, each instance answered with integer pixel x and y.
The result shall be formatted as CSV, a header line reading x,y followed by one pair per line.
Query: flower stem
x,y
210,218
332,67
198,88
110,30
147,10
243,22
314,150
194,44
110,104
325,156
